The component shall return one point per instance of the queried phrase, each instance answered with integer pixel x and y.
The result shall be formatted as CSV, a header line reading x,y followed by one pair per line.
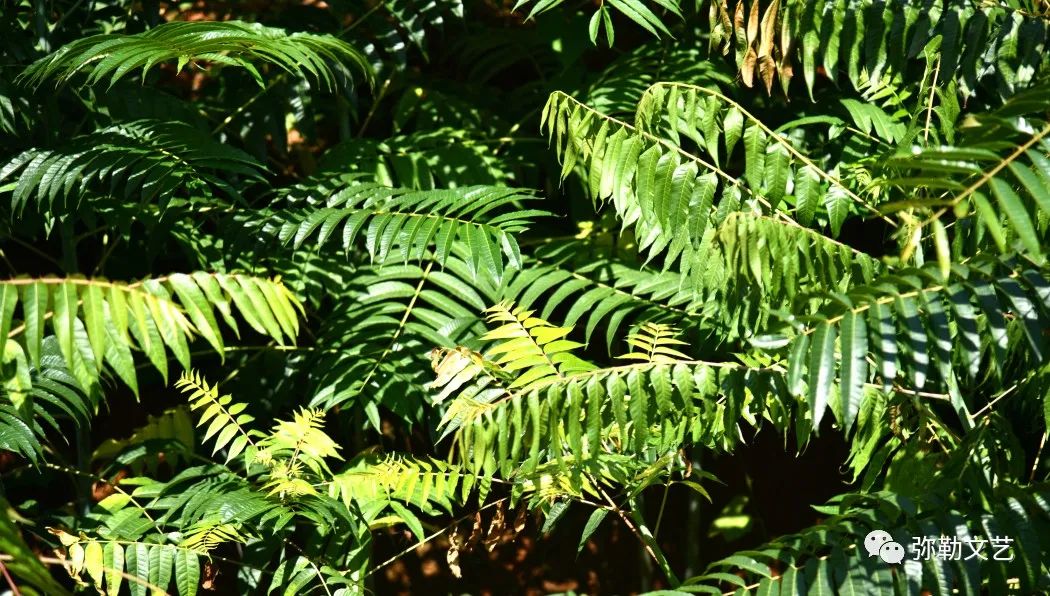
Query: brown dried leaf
x,y
752,24
519,521
495,532
455,543
769,21
747,69
209,576
783,54
739,34
767,68
766,64
723,14
475,532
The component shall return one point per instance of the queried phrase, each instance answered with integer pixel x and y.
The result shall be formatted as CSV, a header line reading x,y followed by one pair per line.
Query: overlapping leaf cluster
x,y
419,332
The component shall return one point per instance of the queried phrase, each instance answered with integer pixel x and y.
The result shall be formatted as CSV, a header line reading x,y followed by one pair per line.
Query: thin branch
x,y
10,580
317,570
33,249
929,106
375,105
987,176
115,485
658,558
273,83
400,326
1038,456
994,401
433,536
781,141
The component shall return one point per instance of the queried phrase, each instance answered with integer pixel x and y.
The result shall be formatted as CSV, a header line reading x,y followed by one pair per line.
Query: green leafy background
x,y
441,296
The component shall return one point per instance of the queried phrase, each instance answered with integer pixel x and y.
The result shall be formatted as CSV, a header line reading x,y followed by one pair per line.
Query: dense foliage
x,y
282,276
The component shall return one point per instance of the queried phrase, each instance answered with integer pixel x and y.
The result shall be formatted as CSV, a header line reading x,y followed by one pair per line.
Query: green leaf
x,y
17,381
410,520
187,572
114,558
837,203
754,156
940,244
34,302
822,369
854,367
591,526
138,566
1017,214
8,302
24,564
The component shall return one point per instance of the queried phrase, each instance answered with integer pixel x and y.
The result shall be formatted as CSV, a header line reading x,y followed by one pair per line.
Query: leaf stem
x,y
10,580
641,532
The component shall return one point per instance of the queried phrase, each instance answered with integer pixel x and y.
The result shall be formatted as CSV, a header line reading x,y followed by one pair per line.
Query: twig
x,y
987,406
784,143
33,249
105,256
658,558
375,105
400,326
929,107
990,173
247,104
1038,454
115,485
10,580
317,570
660,515
432,536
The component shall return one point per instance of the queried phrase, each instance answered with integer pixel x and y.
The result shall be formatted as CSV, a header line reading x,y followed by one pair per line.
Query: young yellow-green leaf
x,y
261,307
94,563
66,304
170,322
118,356
114,558
216,297
941,246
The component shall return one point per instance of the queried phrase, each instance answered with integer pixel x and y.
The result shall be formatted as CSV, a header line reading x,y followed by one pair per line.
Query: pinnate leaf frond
x,y
229,43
